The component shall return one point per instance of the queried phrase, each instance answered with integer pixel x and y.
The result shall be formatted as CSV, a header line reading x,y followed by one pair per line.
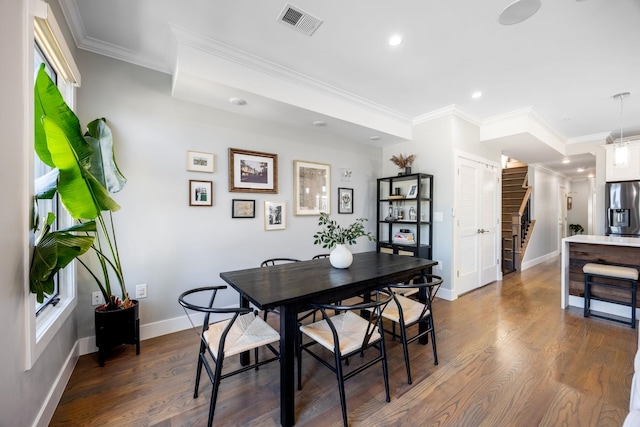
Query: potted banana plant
x,y
83,174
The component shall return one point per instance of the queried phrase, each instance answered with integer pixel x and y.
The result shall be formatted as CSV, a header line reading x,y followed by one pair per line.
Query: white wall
x,y
163,241
545,240
581,196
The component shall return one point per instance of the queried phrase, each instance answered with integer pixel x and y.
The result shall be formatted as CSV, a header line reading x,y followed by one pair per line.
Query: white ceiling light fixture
x,y
476,95
319,123
395,40
518,11
621,149
237,101
374,138
565,161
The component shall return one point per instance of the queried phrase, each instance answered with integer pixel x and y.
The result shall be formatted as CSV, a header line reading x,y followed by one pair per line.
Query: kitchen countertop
x,y
602,240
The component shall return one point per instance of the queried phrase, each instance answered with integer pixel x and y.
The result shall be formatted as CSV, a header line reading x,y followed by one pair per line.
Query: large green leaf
x,y
49,102
54,250
81,194
103,162
45,186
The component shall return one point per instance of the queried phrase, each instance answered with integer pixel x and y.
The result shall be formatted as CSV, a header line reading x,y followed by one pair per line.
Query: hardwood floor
x,y
509,356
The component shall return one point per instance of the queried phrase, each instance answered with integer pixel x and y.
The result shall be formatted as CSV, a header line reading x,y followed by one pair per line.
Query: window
x,y
40,169
50,45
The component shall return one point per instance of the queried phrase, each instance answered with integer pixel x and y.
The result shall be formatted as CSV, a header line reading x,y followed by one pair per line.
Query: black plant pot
x,y
117,327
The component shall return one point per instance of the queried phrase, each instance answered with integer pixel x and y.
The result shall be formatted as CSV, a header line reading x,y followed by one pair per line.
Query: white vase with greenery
x,y
334,235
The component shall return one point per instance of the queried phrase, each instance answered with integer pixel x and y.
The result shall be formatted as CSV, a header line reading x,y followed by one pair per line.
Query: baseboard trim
x,y
57,389
528,264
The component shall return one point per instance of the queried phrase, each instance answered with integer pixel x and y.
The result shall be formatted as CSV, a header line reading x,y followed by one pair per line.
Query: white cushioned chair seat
x,y
247,333
351,330
611,271
411,309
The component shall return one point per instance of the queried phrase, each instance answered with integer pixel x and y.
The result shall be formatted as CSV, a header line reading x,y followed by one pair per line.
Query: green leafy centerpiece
x,y
334,235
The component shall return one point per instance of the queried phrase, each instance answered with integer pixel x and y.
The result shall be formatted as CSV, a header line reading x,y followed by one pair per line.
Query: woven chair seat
x,y
350,327
248,332
411,309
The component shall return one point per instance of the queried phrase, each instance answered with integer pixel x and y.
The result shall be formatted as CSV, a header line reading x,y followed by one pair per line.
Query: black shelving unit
x,y
410,210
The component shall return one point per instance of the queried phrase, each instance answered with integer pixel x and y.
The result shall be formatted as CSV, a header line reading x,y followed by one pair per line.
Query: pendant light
x,y
621,149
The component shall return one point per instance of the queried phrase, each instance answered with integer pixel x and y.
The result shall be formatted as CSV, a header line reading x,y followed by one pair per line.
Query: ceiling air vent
x,y
299,19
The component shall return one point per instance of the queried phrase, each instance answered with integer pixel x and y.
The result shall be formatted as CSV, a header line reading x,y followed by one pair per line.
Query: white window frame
x,y
42,329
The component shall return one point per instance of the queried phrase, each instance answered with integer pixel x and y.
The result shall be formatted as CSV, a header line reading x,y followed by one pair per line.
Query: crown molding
x,y
602,136
450,110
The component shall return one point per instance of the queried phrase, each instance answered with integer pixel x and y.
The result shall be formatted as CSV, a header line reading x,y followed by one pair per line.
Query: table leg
x,y
245,356
288,329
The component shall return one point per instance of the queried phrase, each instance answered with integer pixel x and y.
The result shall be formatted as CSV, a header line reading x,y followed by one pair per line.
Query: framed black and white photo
x,y
413,191
200,193
345,200
199,162
275,216
311,186
252,171
243,208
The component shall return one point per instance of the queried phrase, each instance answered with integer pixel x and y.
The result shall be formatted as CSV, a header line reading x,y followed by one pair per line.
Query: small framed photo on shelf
x,y
275,216
252,171
311,187
243,208
413,191
200,193
199,162
345,200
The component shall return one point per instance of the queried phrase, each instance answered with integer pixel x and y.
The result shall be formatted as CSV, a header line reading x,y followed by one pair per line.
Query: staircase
x,y
516,224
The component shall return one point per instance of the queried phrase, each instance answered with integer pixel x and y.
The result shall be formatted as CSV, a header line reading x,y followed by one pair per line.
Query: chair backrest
x,y
320,256
187,298
276,261
430,282
374,308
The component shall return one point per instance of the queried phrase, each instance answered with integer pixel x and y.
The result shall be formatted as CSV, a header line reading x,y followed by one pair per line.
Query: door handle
x,y
482,231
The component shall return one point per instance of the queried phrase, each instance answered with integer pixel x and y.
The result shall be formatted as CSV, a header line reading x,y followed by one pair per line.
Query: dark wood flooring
x,y
509,356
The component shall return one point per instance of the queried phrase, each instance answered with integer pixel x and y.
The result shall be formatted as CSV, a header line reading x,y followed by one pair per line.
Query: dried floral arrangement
x,y
402,161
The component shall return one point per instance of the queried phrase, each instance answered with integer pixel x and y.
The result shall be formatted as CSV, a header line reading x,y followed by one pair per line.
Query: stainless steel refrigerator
x,y
623,208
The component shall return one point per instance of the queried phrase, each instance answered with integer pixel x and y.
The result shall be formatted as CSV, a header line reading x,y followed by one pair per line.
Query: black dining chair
x,y
407,312
345,335
233,330
320,256
269,263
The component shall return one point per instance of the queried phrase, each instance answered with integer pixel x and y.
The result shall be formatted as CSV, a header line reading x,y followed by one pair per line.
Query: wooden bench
x,y
610,276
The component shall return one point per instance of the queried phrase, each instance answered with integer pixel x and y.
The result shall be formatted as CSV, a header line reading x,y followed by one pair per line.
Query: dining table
x,y
291,288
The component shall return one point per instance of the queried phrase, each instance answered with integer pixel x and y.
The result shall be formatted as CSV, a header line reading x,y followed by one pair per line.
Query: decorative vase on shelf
x,y
407,170
341,257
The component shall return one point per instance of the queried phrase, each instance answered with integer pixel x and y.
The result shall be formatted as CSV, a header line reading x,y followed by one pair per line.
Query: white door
x,y
476,221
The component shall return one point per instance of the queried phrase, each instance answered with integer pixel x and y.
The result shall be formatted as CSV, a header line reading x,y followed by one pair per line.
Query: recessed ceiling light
x,y
395,40
237,101
319,123
518,11
374,138
565,161
476,95
580,169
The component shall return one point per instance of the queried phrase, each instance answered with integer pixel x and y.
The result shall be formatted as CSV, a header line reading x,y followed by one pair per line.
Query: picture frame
x,y
198,161
413,191
252,171
275,215
345,200
200,193
312,187
242,208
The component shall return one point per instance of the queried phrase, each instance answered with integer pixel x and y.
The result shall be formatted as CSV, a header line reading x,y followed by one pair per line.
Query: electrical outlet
x,y
438,266
141,291
97,298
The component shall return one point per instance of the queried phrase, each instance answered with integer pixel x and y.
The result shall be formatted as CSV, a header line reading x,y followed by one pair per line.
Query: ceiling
x,y
562,66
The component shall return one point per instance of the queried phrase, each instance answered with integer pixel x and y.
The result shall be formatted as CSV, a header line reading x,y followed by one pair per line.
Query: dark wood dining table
x,y
292,287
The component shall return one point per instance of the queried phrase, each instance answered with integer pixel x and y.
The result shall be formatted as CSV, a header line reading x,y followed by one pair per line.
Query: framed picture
x,y
345,200
200,193
311,186
199,162
413,191
252,171
275,215
243,208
